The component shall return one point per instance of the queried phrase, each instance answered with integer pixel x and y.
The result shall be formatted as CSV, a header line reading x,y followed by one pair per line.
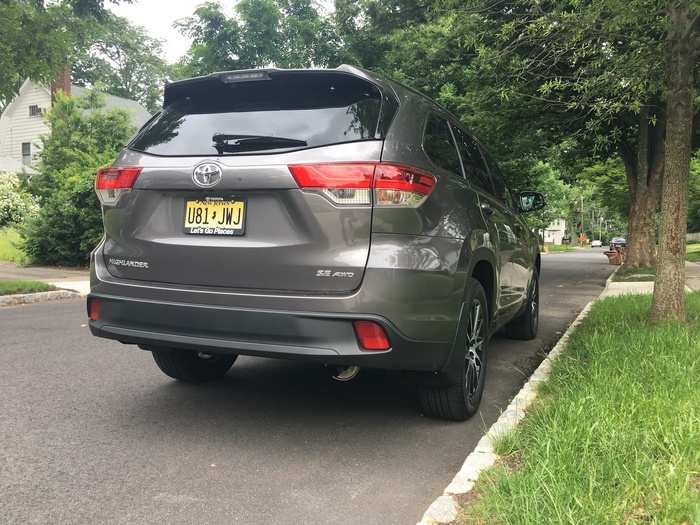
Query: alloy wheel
x,y
476,336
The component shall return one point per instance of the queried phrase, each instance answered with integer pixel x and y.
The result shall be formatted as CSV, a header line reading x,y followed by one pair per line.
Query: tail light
x,y
112,183
371,335
353,183
403,186
348,183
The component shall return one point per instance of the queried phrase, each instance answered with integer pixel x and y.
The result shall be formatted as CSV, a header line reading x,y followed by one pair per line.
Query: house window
x,y
34,111
26,153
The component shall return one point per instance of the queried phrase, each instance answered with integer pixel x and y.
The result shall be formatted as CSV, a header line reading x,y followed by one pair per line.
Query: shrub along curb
x,y
28,298
445,508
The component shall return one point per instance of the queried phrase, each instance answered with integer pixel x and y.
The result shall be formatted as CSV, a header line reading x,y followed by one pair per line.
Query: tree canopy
x,y
281,33
123,60
40,37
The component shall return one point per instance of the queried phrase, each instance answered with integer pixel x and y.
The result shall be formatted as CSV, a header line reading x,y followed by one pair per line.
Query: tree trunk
x,y
669,287
641,230
644,168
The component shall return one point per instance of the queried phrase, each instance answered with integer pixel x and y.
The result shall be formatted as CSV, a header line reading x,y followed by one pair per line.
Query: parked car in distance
x,y
596,243
332,216
618,242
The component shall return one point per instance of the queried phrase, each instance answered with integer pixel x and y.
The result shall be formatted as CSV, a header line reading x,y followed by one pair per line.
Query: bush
x,y
16,205
69,223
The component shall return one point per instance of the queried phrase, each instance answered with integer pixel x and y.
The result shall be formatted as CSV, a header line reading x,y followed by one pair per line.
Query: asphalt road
x,y
92,432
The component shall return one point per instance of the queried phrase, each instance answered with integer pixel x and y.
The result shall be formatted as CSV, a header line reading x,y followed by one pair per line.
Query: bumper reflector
x,y
371,335
93,309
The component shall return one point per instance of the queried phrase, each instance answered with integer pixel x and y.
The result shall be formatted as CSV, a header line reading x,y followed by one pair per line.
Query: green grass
x,y
13,286
635,274
9,247
615,435
554,248
692,252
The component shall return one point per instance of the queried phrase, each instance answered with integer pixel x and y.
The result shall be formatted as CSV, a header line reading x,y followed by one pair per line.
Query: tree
x,y
262,33
558,195
83,137
589,74
307,38
33,44
595,68
123,60
682,43
38,39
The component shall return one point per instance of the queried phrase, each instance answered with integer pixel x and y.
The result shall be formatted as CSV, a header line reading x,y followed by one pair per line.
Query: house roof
x,y
137,112
139,115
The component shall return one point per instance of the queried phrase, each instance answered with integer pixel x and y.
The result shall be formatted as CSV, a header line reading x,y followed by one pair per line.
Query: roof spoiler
x,y
181,88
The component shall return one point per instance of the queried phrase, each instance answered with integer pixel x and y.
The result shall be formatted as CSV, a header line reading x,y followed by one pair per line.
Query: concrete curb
x,y
610,278
39,297
445,508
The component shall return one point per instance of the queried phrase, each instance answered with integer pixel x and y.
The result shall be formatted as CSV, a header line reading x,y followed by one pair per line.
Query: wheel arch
x,y
482,267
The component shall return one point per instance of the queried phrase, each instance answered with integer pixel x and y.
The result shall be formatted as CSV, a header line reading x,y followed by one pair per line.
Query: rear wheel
x,y
191,366
459,398
524,327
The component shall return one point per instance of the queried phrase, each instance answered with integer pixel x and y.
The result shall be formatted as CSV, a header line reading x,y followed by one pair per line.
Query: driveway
x,y
92,432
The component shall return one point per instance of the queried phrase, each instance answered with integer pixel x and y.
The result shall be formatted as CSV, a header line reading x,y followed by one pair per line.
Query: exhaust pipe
x,y
347,373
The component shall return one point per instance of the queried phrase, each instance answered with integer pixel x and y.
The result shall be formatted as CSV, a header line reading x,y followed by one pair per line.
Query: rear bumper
x,y
413,286
312,336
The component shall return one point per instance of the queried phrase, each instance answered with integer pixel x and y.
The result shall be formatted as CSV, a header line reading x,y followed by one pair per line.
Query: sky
x,y
158,16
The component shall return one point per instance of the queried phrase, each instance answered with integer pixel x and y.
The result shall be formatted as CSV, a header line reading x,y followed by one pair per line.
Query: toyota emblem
x,y
207,175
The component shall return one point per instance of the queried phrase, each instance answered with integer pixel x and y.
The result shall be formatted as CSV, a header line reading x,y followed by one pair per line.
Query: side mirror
x,y
530,201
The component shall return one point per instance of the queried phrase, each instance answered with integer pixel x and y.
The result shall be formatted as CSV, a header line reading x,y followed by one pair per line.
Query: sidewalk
x,y
74,279
692,283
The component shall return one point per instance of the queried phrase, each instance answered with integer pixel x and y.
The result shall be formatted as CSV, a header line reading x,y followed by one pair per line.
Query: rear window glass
x,y
288,111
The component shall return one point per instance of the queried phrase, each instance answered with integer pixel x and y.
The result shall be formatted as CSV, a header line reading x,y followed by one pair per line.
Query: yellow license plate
x,y
215,217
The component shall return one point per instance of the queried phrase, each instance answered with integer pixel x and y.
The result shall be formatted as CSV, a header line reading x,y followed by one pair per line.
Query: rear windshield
x,y
282,113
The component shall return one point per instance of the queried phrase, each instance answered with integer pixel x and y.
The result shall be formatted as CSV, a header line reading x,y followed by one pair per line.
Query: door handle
x,y
486,208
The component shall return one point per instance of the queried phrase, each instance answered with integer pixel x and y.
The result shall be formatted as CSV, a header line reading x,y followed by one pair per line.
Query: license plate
x,y
215,217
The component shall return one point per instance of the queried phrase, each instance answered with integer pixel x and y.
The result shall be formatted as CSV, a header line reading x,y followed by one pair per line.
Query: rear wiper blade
x,y
226,142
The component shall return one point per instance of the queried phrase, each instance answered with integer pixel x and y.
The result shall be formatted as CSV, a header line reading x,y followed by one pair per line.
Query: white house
x,y
555,232
22,122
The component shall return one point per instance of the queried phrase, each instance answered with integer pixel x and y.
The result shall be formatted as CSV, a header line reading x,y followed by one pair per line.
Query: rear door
x,y
497,216
521,259
218,202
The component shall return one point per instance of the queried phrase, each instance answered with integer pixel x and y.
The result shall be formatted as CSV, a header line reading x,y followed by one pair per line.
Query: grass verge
x,y
9,247
614,437
692,252
12,286
555,248
635,274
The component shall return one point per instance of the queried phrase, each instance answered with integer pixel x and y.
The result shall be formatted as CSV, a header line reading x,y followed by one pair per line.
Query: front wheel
x,y
459,398
191,366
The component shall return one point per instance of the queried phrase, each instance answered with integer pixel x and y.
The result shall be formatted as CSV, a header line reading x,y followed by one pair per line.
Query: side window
x,y
26,153
474,168
439,146
502,192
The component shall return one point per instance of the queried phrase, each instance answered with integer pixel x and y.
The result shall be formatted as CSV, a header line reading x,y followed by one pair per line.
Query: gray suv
x,y
332,216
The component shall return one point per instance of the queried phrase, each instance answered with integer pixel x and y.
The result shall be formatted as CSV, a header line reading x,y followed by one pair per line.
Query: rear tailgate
x,y
274,236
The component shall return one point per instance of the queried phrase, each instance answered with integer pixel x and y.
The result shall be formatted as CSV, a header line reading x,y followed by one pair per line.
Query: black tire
x,y
459,397
190,366
524,327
